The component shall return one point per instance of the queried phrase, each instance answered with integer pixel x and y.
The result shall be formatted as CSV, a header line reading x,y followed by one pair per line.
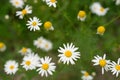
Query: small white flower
x,y
2,47
25,11
95,6
117,2
17,3
86,76
51,3
102,11
11,67
30,61
46,66
47,45
6,16
115,67
33,24
25,51
69,54
48,25
81,15
102,62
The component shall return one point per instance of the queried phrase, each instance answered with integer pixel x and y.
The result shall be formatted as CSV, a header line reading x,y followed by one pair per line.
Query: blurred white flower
x,y
17,3
81,15
46,67
117,2
2,47
115,67
86,76
7,17
69,54
102,62
27,10
47,45
51,3
30,61
11,67
33,24
48,25
25,51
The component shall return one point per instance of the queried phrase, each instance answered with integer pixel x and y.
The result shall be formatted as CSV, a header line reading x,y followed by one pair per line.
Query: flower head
x,y
11,67
17,3
101,30
2,47
46,66
81,15
25,51
48,25
69,54
51,3
33,24
30,61
102,62
25,11
86,76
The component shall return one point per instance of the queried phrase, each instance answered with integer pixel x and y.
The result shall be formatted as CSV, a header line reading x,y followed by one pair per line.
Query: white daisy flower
x,y
81,15
11,67
117,2
46,67
69,53
30,61
2,47
102,62
48,25
102,11
25,11
7,17
17,3
25,51
51,3
95,6
47,45
86,76
33,24
115,67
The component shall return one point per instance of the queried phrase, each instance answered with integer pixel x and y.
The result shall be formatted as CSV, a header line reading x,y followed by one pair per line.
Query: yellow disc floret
x,y
68,53
47,25
24,11
28,63
53,1
82,14
45,66
34,23
117,67
100,30
102,62
1,45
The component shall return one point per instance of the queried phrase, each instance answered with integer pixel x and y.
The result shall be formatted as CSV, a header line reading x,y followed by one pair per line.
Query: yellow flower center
x,y
34,23
47,25
81,14
102,62
24,12
86,74
16,2
68,53
53,1
45,66
46,45
24,50
1,45
12,67
100,30
102,9
117,67
28,63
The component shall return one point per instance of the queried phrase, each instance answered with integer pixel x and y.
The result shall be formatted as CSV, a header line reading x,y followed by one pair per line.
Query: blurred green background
x,y
15,35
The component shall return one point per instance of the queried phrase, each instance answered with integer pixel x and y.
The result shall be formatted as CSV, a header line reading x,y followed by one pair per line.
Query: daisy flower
x,y
2,47
48,25
46,67
7,17
11,67
86,76
17,3
102,62
81,15
25,11
115,67
47,45
102,11
117,2
51,3
33,24
68,53
95,6
30,61
25,51
100,30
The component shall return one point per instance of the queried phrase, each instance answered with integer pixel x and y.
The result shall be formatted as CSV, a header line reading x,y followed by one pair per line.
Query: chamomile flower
x,y
46,67
115,67
2,47
100,30
47,45
117,2
25,11
68,53
51,3
81,15
102,62
48,25
25,51
17,3
86,76
95,6
33,24
7,17
30,61
102,11
11,67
